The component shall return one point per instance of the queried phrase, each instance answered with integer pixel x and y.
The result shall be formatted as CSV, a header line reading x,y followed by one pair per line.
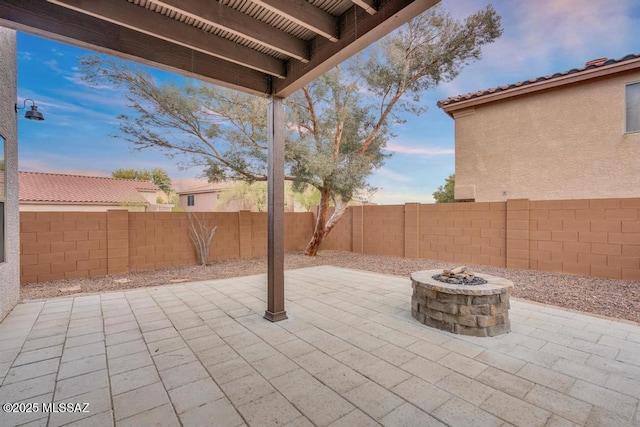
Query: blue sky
x,y
540,37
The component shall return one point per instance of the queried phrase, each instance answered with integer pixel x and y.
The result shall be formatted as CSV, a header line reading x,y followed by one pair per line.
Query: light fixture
x,y
33,113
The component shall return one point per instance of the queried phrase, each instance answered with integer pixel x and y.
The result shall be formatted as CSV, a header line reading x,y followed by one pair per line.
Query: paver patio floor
x,y
350,354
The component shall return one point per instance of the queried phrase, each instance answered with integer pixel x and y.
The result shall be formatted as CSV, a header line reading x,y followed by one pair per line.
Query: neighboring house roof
x,y
207,188
62,188
594,68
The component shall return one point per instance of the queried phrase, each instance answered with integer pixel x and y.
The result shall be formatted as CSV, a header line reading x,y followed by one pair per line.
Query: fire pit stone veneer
x,y
478,310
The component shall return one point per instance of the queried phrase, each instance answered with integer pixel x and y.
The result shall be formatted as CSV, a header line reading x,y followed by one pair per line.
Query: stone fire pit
x,y
479,310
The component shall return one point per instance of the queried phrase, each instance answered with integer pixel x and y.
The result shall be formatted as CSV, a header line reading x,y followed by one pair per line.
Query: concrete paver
x,y
27,357
408,415
194,394
229,370
32,370
466,388
82,366
350,354
133,379
24,417
162,416
81,351
355,418
373,399
82,339
247,389
219,413
506,382
610,400
272,410
546,377
514,410
70,387
183,374
99,401
559,403
421,394
457,412
139,400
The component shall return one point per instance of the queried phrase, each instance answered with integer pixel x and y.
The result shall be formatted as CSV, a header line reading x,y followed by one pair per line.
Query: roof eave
x,y
64,202
188,192
543,85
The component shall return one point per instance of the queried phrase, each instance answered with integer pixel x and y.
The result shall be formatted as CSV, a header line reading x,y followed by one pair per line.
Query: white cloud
x,y
53,64
545,37
51,164
389,175
76,77
400,198
422,151
182,184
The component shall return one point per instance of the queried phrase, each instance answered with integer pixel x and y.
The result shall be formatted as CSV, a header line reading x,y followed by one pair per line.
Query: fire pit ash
x,y
459,276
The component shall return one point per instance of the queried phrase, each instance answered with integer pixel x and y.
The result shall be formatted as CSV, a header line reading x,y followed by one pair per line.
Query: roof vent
x,y
597,62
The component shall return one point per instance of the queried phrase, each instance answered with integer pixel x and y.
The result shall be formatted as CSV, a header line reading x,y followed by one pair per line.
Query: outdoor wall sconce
x,y
33,113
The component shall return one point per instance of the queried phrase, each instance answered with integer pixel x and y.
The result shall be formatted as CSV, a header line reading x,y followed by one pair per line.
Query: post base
x,y
275,317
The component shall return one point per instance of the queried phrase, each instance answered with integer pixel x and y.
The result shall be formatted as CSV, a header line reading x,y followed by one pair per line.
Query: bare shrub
x,y
201,234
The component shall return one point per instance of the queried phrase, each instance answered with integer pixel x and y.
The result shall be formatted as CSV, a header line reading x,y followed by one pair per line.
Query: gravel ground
x,y
608,297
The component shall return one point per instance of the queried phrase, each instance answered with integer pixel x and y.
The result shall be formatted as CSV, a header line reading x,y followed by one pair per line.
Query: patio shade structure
x,y
267,48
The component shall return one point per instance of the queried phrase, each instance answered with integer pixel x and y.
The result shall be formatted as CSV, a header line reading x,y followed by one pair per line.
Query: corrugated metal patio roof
x,y
259,46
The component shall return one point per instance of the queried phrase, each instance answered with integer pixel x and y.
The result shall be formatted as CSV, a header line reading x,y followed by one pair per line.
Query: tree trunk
x,y
323,227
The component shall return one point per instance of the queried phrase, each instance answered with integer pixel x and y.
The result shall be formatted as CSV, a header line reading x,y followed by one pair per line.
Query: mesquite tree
x,y
337,126
158,176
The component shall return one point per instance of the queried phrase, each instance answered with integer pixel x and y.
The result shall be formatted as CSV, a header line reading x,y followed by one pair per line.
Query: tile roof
x,y
212,187
590,65
57,188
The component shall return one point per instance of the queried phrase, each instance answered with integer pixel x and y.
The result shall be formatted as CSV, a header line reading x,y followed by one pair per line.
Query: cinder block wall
x,y
340,238
463,233
62,245
591,237
66,245
596,237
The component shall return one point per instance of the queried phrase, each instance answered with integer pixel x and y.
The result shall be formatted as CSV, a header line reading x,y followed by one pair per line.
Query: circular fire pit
x,y
477,310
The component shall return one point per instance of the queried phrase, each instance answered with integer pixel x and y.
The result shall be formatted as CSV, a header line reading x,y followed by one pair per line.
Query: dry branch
x,y
201,235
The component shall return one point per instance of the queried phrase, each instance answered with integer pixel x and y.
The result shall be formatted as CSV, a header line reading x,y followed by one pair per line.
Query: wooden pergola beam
x,y
232,21
62,24
154,24
367,5
357,30
305,15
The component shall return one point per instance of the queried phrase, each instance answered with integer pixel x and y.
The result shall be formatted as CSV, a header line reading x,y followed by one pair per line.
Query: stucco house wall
x,y
207,199
10,268
203,202
566,142
150,196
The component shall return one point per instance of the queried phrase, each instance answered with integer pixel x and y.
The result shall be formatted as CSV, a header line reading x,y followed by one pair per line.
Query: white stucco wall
x,y
205,202
564,143
10,269
150,196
